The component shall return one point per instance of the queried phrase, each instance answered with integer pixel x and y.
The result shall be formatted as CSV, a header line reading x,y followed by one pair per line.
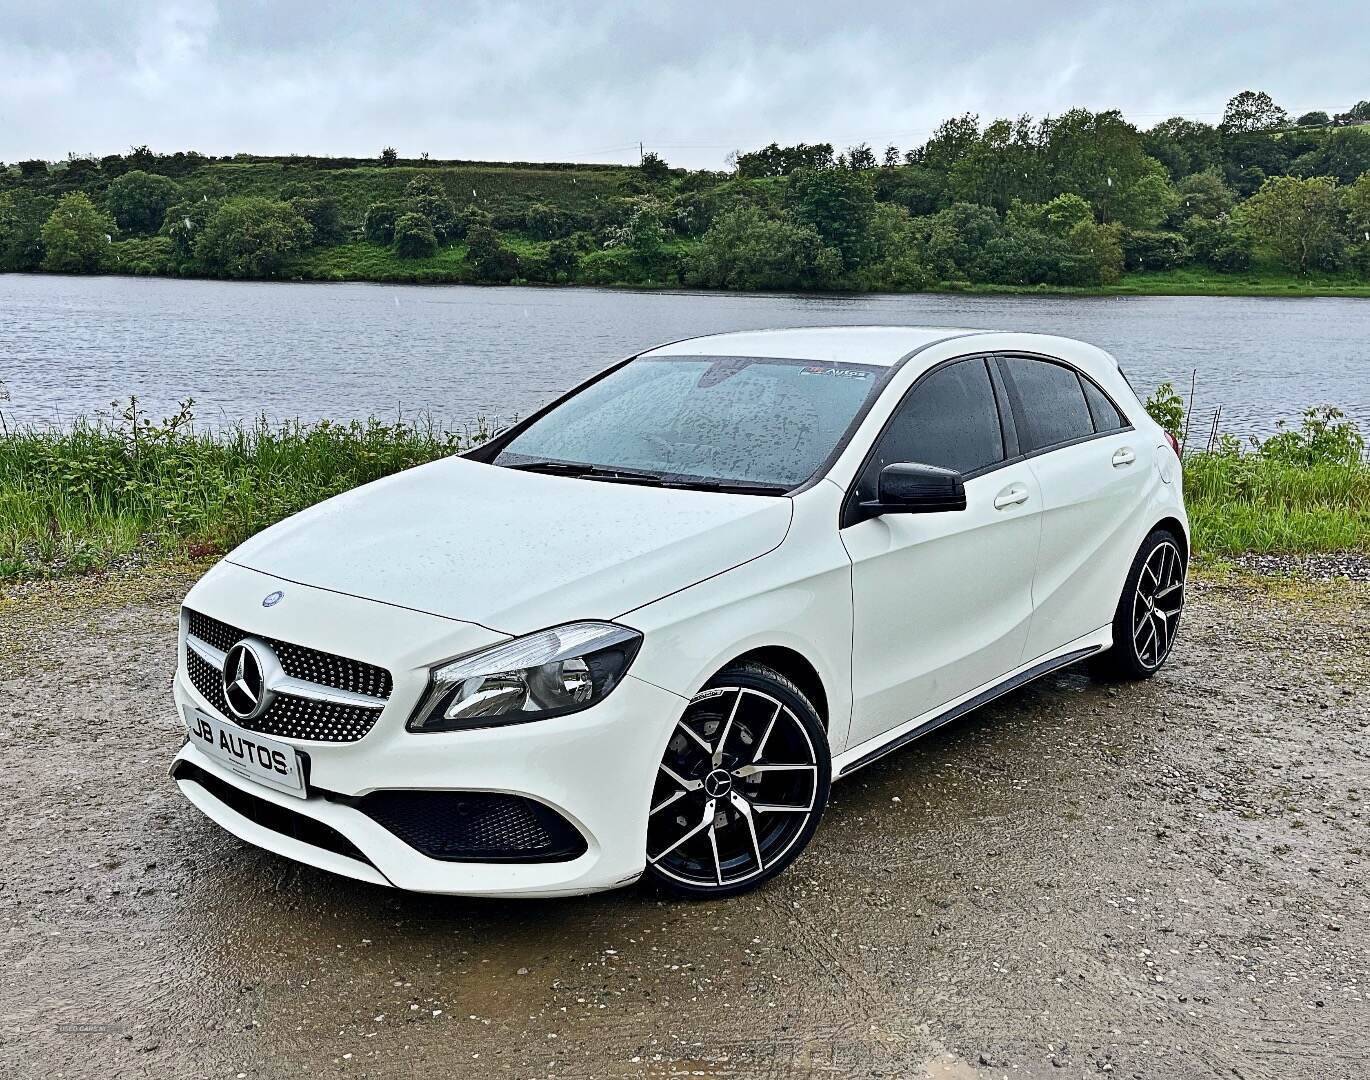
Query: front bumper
x,y
596,768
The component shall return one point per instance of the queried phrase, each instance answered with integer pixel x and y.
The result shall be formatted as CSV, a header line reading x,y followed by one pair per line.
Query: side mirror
x,y
907,487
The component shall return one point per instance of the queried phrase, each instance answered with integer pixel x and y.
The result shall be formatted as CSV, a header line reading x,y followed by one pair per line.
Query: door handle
x,y
1011,496
1123,457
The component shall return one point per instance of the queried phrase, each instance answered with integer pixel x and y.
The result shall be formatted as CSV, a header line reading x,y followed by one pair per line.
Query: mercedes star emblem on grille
x,y
246,666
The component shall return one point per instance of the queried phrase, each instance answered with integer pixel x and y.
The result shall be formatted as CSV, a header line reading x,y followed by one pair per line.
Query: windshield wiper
x,y
650,479
729,487
589,472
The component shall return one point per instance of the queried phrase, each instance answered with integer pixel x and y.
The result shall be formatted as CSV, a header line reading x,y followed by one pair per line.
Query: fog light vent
x,y
475,826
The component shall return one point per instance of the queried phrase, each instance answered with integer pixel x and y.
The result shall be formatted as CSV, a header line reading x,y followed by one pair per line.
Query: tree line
x,y
1078,200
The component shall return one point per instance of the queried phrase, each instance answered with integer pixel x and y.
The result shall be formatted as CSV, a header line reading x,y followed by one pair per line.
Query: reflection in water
x,y
72,345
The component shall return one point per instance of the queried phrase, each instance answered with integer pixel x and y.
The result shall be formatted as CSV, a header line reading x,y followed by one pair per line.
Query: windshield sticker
x,y
836,372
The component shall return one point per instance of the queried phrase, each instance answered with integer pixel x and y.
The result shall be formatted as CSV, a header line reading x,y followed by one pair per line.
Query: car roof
x,y
882,345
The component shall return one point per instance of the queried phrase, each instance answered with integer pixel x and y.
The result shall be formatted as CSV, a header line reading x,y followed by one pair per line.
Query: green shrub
x,y
952,241
563,260
379,224
76,236
414,237
21,229
1218,243
1324,437
543,222
183,224
139,200
1166,407
252,237
746,249
144,256
472,218
425,195
838,204
608,266
489,258
322,213
1150,250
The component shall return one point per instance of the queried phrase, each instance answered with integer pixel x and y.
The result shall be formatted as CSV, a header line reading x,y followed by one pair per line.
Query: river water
x,y
71,345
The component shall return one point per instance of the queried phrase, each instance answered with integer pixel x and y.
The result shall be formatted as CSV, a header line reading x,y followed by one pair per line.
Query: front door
x,y
942,602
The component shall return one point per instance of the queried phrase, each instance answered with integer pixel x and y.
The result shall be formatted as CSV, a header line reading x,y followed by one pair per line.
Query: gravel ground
x,y
1159,880
1352,565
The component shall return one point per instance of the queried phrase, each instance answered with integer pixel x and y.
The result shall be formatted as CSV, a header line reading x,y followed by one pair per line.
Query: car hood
x,y
515,551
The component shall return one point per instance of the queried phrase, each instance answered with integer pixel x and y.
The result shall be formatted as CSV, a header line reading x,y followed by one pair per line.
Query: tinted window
x,y
1106,416
743,419
950,420
1051,402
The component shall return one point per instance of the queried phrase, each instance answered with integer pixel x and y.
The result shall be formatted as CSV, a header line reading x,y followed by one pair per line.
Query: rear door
x,y
941,603
1092,468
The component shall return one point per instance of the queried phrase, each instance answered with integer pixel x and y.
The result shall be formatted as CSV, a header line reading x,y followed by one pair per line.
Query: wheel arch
x,y
1176,526
795,666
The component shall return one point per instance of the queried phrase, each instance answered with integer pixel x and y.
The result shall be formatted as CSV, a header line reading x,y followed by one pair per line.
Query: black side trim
x,y
1046,667
268,815
1006,419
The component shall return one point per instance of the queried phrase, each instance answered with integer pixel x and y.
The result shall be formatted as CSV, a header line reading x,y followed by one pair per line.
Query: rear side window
x,y
949,419
1050,400
1105,413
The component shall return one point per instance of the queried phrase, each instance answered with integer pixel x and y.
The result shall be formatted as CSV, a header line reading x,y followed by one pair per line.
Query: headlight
x,y
550,673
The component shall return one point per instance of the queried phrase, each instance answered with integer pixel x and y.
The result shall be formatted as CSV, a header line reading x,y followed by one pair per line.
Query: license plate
x,y
247,754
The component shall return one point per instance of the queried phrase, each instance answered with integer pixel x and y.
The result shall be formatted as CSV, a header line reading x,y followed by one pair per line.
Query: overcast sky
x,y
583,81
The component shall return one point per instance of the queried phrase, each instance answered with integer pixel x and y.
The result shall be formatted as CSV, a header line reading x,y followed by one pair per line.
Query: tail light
x,y
1174,443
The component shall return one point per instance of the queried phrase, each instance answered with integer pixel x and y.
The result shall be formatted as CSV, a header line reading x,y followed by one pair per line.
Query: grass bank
x,y
125,490
1246,503
1193,281
358,260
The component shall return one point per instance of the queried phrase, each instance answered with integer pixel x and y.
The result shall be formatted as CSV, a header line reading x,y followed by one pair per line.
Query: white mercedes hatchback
x,y
643,630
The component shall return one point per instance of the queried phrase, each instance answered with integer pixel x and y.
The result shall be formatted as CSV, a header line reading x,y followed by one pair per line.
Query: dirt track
x,y
1165,880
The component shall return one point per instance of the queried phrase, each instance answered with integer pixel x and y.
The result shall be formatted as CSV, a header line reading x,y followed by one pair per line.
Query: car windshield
x,y
700,421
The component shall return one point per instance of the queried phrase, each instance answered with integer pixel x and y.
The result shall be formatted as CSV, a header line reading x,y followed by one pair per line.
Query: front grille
x,y
475,826
299,662
292,717
269,815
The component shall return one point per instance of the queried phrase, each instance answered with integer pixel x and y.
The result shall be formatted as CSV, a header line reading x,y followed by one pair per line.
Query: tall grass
x,y
1303,489
123,486
1248,502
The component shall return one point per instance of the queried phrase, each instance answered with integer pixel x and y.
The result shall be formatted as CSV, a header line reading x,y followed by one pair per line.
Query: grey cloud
x,y
553,81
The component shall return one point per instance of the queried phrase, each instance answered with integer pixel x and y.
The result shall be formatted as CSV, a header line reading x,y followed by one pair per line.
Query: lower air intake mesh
x,y
475,826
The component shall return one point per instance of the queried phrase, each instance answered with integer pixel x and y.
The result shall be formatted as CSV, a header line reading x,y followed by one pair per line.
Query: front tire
x,y
741,787
1148,614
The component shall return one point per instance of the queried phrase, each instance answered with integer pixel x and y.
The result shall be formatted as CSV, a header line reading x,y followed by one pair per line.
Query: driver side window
x,y
950,419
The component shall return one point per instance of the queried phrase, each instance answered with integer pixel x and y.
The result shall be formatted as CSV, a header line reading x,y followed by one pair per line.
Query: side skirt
x,y
984,697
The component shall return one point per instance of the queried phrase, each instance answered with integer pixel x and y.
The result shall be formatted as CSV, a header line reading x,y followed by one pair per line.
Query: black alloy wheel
x,y
1148,615
741,786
